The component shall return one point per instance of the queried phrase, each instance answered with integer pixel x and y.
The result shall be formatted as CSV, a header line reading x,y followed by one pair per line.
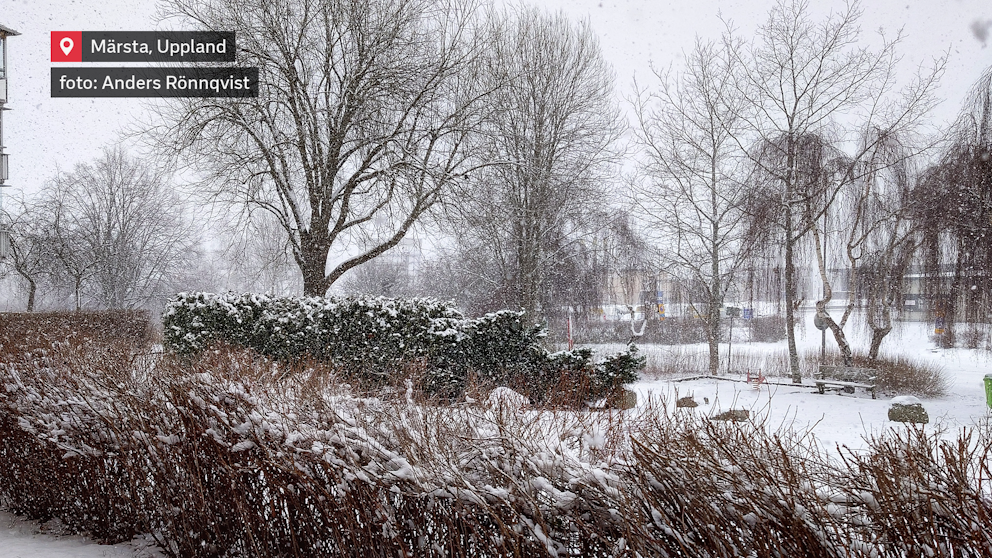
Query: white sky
x,y
44,134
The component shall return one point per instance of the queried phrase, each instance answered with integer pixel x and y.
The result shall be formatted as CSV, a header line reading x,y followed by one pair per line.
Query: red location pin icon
x,y
67,46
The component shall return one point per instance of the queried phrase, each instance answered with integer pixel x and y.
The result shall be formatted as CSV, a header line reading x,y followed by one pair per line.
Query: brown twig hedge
x,y
231,455
25,332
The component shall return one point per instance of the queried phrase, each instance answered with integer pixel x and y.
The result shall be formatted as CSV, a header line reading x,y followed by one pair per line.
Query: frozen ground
x,y
26,539
834,419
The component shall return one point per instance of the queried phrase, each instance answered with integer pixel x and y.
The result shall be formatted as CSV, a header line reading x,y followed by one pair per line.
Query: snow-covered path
x,y
26,539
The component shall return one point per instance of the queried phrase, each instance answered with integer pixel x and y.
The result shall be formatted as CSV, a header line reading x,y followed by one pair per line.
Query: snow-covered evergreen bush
x,y
364,336
374,338
618,369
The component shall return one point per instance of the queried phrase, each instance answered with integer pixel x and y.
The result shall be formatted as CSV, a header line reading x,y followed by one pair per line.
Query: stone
x,y
734,415
908,412
622,399
684,402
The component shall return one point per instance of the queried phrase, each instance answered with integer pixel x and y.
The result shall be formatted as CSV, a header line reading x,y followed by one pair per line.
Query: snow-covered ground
x,y
835,419
26,539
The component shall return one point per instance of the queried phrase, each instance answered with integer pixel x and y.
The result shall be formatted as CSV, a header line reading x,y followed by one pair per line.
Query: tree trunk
x,y
314,281
79,281
821,305
32,288
714,338
877,335
790,301
880,312
947,340
842,344
715,287
313,262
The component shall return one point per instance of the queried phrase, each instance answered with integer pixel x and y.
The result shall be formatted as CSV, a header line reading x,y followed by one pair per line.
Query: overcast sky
x,y
44,134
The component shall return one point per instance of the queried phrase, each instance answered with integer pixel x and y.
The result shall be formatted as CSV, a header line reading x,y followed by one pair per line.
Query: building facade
x,y
5,33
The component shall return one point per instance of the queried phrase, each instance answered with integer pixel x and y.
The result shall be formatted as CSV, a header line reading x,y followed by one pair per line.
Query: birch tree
x,y
691,190
814,87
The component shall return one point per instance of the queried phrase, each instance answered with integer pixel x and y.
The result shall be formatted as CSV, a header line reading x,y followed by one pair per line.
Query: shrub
x,y
228,454
374,339
907,376
498,347
767,329
899,375
366,336
26,332
617,370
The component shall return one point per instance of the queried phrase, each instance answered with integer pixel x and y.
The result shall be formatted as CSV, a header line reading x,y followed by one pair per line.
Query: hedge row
x,y
26,332
375,338
215,457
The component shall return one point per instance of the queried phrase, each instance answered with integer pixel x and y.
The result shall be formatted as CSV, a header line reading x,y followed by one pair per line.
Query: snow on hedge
x,y
373,338
218,456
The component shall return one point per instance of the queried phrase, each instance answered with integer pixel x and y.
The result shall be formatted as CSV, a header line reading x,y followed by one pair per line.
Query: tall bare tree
x,y
550,134
815,87
30,255
360,125
954,212
117,228
691,192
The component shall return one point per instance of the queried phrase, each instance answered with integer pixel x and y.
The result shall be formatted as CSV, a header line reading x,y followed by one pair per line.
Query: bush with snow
x,y
375,339
227,454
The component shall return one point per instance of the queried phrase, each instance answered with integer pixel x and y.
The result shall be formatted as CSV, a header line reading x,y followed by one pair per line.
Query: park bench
x,y
846,378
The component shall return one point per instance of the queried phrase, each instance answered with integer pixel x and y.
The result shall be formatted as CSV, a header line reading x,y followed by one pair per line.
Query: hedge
x,y
215,457
374,339
23,332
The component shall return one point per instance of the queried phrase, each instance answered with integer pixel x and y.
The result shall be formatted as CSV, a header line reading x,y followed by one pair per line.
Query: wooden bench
x,y
846,378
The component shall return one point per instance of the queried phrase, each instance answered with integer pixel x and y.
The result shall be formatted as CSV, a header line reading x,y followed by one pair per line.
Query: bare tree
x,y
71,262
360,125
118,230
814,87
954,213
30,254
691,192
550,133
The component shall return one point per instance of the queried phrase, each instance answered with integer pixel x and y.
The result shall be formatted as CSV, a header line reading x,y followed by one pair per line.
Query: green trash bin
x,y
988,389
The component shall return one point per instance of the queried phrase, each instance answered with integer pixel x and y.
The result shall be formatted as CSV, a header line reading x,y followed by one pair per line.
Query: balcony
x,y
4,241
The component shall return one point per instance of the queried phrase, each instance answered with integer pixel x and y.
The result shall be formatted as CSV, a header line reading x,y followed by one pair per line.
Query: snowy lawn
x,y
834,418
